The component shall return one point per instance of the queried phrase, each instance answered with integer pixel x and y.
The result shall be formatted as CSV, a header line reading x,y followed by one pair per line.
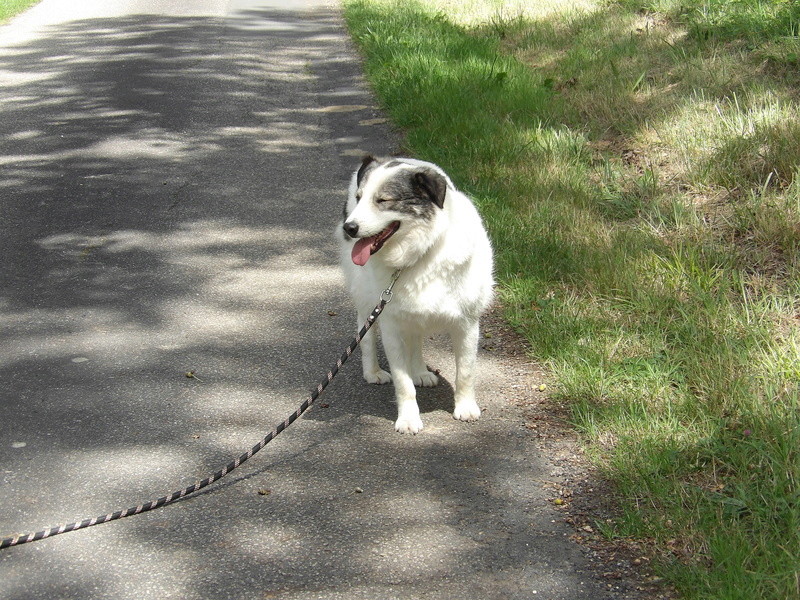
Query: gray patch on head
x,y
419,192
368,166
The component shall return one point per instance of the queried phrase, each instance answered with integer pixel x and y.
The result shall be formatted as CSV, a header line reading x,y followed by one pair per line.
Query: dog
x,y
406,214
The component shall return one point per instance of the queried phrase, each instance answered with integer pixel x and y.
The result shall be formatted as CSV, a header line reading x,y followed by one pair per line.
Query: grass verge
x,y
11,8
637,165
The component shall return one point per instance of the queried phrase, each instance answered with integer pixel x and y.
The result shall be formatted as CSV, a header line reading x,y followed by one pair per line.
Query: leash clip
x,y
386,295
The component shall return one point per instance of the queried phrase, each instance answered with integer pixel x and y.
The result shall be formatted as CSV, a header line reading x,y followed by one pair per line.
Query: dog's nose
x,y
351,229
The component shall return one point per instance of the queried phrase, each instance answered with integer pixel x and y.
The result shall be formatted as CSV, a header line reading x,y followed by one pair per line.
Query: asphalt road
x,y
170,176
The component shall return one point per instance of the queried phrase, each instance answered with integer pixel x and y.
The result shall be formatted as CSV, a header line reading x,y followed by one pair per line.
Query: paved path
x,y
171,174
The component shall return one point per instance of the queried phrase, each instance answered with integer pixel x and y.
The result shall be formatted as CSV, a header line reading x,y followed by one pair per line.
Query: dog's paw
x,y
380,377
467,410
410,424
426,379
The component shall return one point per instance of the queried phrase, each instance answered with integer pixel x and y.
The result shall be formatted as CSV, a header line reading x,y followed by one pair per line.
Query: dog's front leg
x,y
465,347
369,353
399,355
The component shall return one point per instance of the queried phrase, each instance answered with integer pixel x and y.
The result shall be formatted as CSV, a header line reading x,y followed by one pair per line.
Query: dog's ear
x,y
430,184
367,164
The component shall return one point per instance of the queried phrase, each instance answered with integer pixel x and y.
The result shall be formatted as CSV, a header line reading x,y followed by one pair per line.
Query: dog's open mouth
x,y
366,247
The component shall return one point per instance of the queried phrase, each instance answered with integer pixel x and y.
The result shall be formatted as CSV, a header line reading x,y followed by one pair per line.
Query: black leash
x,y
17,540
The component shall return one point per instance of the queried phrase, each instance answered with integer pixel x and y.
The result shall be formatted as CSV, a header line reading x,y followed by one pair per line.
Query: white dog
x,y
406,214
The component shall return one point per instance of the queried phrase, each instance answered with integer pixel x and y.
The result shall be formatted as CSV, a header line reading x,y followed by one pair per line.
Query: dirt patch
x,y
584,499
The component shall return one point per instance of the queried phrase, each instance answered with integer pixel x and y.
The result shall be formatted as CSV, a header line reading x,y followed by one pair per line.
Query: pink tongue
x,y
361,251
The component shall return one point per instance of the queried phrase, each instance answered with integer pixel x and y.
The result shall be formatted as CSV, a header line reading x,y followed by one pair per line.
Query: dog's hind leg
x,y
419,370
465,347
369,353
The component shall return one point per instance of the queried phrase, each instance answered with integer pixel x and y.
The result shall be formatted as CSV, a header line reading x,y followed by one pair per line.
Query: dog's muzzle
x,y
367,246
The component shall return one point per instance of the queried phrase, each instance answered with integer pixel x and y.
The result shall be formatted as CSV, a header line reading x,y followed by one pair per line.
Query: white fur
x,y
445,285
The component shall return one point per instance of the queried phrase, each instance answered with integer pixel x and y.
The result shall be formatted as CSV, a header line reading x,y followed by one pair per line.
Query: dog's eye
x,y
382,199
358,195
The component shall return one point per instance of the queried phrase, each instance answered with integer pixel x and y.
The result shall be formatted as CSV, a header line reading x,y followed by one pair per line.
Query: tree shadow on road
x,y
166,207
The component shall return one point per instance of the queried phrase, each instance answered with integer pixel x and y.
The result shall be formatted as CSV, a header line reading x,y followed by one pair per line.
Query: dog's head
x,y
392,201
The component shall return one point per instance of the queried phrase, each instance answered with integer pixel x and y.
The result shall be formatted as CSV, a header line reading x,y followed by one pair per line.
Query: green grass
x,y
637,166
729,20
10,8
